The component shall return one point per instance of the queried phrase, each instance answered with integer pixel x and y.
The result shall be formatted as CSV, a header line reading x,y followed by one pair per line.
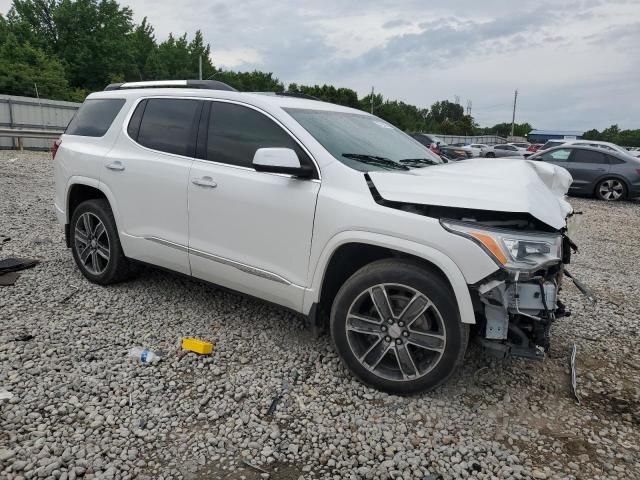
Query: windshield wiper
x,y
375,160
418,162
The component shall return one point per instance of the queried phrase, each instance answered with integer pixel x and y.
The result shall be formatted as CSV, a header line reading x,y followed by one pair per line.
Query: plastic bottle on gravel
x,y
144,355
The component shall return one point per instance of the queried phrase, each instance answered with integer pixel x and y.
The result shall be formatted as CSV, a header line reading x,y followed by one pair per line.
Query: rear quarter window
x,y
94,117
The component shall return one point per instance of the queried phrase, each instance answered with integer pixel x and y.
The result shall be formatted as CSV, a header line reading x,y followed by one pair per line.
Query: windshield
x,y
364,142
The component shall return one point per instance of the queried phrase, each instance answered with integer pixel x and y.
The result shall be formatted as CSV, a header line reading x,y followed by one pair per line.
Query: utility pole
x,y
372,92
513,118
469,104
200,67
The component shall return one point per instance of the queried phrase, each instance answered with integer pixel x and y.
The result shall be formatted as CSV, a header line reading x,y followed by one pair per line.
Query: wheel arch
x,y
81,189
349,251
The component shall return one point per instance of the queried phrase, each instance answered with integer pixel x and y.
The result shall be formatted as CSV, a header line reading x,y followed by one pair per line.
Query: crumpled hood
x,y
502,185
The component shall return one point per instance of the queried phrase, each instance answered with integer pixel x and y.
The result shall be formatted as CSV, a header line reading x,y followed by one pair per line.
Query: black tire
x,y
614,194
117,268
393,273
490,155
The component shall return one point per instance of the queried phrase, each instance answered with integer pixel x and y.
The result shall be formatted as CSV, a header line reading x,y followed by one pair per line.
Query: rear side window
x,y
588,156
236,132
94,117
168,125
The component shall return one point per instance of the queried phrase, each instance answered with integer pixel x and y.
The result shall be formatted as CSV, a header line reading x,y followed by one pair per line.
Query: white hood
x,y
502,185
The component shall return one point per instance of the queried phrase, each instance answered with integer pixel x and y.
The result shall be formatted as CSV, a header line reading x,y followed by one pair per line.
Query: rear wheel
x,y
95,243
396,326
611,190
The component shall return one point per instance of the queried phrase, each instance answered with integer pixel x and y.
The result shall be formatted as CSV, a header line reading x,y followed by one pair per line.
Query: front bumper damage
x,y
516,309
516,314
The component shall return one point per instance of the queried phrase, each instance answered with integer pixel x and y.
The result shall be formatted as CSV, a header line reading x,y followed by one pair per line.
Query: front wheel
x,y
396,326
490,155
611,190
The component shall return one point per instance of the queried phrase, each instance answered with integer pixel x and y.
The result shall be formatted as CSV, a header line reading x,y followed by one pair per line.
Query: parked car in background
x,y
480,148
634,151
534,147
523,148
607,175
507,150
588,143
523,145
439,147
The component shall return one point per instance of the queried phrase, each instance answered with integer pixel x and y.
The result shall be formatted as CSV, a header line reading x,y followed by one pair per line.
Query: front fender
x,y
440,260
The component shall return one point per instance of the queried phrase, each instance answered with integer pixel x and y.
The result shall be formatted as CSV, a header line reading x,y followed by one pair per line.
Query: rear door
x,y
147,173
586,168
249,231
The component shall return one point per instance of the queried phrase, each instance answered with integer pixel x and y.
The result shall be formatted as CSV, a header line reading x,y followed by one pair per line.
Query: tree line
x,y
65,49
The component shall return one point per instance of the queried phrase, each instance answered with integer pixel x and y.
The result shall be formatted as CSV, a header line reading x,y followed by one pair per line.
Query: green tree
x,y
23,66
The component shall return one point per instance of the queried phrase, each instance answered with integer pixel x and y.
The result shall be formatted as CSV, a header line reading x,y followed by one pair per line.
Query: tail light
x,y
54,148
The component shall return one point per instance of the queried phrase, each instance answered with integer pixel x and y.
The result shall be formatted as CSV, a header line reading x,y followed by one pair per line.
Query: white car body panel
x,y
502,185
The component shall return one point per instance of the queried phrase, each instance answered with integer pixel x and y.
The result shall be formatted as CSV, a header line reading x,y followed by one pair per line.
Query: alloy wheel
x,y
395,332
611,189
92,243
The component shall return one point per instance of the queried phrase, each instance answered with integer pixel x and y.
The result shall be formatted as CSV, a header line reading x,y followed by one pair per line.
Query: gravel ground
x,y
82,409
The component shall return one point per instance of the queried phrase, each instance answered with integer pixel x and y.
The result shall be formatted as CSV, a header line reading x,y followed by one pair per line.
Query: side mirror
x,y
280,160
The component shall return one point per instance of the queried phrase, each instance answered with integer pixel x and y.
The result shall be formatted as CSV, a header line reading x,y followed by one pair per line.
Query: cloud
x,y
395,23
573,61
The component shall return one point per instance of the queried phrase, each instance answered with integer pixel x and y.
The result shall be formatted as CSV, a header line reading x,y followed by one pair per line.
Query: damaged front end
x,y
516,306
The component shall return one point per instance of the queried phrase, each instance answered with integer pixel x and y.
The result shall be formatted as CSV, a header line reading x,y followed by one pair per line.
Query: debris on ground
x,y
574,380
9,268
197,346
25,337
286,387
144,355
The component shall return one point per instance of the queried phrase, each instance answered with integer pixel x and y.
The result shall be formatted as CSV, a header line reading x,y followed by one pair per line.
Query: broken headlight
x,y
511,249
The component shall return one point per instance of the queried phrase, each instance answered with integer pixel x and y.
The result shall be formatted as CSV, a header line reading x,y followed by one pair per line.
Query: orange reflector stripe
x,y
491,245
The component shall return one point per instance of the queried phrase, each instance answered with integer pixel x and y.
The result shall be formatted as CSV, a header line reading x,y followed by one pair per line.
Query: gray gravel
x,y
82,409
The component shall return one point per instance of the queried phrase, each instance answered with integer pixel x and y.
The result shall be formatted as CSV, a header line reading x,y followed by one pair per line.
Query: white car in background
x,y
507,150
325,210
477,149
612,147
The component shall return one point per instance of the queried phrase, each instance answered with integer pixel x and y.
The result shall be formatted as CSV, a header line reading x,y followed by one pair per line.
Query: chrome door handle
x,y
116,166
204,182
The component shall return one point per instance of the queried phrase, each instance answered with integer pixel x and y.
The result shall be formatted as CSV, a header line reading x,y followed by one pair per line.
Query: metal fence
x,y
484,139
31,114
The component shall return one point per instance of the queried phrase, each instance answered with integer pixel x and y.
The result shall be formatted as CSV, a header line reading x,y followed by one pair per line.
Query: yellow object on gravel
x,y
197,346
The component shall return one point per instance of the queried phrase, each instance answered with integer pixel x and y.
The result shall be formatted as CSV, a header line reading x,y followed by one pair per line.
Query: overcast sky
x,y
575,63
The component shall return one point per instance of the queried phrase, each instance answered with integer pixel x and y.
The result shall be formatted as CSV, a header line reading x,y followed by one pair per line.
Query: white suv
x,y
325,210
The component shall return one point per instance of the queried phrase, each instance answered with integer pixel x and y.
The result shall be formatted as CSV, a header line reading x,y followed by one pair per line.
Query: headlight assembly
x,y
514,250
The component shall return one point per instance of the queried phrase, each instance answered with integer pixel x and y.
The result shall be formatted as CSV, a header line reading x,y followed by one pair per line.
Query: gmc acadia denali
x,y
326,210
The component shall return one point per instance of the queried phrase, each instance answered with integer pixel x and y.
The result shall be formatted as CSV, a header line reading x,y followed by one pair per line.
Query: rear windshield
x,y
95,117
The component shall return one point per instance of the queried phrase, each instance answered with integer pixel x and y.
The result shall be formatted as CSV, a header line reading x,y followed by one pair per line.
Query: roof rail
x,y
297,95
203,84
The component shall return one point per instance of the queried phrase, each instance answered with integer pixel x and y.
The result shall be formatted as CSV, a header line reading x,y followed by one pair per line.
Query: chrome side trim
x,y
241,266
167,243
225,261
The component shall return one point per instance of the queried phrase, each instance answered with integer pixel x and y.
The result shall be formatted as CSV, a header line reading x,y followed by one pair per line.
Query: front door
x,y
249,231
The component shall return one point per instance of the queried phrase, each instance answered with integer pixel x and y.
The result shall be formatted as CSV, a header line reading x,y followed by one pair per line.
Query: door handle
x,y
116,166
206,182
